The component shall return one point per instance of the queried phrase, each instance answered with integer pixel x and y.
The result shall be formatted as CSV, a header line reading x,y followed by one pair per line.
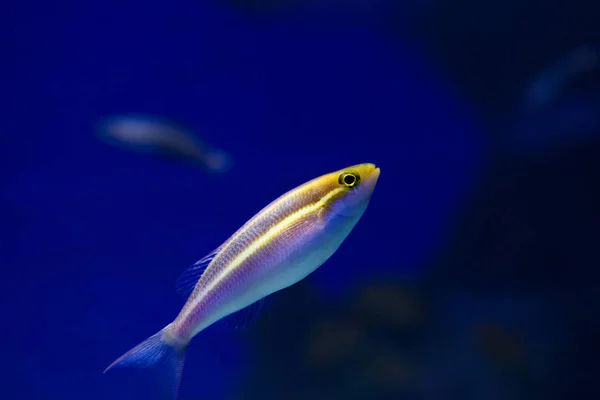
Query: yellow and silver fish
x,y
279,246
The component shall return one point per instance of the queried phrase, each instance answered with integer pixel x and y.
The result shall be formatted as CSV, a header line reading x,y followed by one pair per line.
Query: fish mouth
x,y
375,174
371,177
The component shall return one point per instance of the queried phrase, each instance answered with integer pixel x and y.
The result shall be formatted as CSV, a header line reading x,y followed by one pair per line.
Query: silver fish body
x,y
279,246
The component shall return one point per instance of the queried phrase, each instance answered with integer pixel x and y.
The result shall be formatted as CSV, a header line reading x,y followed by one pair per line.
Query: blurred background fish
x,y
161,137
549,83
558,106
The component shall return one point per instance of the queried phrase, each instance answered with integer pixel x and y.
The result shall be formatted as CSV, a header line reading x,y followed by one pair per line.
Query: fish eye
x,y
349,179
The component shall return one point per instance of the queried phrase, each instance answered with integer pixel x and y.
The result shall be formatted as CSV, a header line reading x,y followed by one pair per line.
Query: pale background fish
x,y
162,137
548,83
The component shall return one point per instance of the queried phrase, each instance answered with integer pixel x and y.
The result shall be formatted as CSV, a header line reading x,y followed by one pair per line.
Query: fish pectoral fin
x,y
188,278
314,222
322,217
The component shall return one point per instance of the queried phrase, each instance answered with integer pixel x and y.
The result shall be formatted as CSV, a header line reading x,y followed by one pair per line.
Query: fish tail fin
x,y
162,351
216,160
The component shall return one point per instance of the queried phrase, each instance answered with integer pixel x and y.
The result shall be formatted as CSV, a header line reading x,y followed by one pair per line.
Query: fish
x,y
160,136
281,245
552,80
551,114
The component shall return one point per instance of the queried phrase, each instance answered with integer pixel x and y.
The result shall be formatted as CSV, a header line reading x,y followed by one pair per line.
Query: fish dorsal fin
x,y
243,318
188,278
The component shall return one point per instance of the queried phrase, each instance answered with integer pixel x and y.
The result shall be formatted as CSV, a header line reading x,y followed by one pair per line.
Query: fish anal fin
x,y
243,318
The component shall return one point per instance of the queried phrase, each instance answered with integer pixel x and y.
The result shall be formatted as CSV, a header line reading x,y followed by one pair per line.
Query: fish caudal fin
x,y
159,351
